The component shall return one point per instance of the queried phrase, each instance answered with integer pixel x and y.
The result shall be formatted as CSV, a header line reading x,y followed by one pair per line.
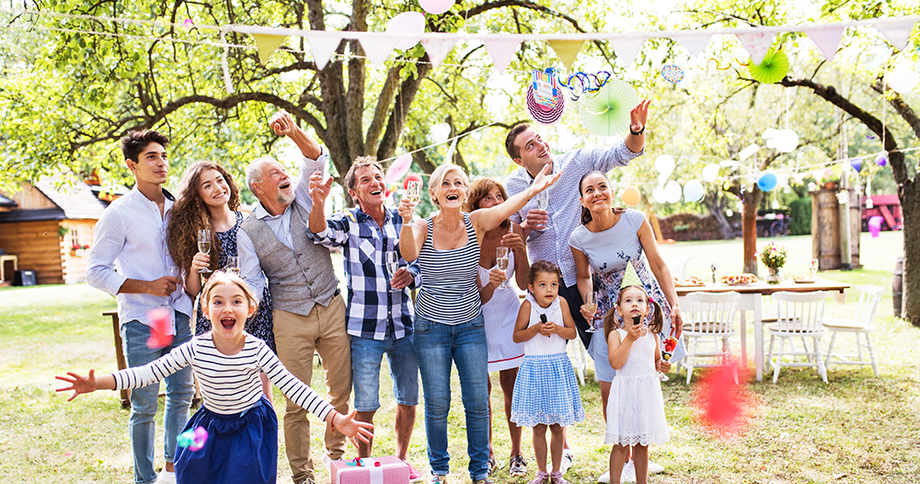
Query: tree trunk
x,y
715,202
910,210
749,228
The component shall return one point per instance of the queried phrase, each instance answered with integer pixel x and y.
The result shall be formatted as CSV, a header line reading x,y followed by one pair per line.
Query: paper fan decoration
x,y
607,113
545,114
672,73
774,67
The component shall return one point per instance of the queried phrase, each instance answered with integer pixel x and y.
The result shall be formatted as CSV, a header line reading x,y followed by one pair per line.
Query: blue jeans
x,y
366,354
179,391
437,347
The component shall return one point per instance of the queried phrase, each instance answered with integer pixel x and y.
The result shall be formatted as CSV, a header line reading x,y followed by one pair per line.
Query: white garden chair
x,y
866,306
678,266
710,320
799,316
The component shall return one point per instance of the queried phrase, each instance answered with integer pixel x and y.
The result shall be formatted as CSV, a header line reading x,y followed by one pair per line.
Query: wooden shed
x,y
50,229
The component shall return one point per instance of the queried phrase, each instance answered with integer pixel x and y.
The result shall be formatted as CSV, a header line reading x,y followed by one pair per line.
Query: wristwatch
x,y
636,133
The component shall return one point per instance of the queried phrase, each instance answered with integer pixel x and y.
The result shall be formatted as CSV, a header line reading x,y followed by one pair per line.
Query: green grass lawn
x,y
855,429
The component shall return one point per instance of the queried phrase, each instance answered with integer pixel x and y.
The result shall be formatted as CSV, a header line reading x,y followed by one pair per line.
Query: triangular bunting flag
x,y
378,48
267,44
566,50
817,175
628,48
695,43
756,44
501,51
827,39
438,49
322,47
898,33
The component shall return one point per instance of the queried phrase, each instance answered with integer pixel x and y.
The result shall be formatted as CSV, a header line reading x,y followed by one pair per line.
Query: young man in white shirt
x,y
132,233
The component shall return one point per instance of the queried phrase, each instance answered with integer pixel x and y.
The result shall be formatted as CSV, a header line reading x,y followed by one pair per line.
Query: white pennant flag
x,y
756,44
827,39
378,48
501,50
898,33
438,49
322,47
627,48
695,43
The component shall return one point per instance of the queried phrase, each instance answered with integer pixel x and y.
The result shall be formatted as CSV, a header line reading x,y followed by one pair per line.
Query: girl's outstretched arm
x,y
352,428
86,384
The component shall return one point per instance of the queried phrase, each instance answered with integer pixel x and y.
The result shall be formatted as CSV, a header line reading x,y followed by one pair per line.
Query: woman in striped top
x,y
448,319
242,443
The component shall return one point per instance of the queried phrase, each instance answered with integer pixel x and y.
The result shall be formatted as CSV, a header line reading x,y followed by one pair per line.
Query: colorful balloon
x,y
406,23
411,177
882,159
631,195
767,181
436,7
398,168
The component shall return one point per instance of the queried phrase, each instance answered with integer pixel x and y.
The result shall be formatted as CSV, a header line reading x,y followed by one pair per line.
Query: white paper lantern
x,y
672,192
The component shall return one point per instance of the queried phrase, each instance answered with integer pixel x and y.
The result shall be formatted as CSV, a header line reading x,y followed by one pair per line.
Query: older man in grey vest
x,y
309,312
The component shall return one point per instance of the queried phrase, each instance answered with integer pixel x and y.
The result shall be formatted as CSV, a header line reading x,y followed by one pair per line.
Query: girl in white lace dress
x,y
635,409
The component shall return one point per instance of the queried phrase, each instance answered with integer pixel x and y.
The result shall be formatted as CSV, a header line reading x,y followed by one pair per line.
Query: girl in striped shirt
x,y
242,443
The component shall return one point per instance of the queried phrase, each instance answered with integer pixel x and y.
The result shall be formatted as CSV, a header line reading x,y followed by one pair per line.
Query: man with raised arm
x,y
275,243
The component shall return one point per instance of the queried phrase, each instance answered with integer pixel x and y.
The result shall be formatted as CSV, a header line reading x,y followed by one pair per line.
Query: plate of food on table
x,y
803,278
738,279
692,281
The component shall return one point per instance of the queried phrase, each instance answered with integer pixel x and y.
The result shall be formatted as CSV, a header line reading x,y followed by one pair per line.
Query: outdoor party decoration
x,y
438,49
878,57
902,78
658,195
160,323
406,23
881,159
774,258
665,165
767,181
398,168
782,140
193,439
757,43
567,50
436,7
875,223
501,50
544,87
693,191
545,114
672,192
672,73
774,67
631,195
412,178
897,31
607,113
579,83
856,163
710,172
748,151
827,39
817,175
321,46
267,44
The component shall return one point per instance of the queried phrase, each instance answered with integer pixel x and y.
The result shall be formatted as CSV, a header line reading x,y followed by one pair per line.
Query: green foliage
x,y
800,211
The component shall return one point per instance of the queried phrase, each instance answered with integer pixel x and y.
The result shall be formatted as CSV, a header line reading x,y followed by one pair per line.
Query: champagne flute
x,y
543,200
591,305
502,260
392,263
172,270
204,245
813,269
414,193
233,264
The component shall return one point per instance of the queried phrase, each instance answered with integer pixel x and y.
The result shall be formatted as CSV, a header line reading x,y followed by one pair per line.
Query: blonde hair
x,y
438,175
223,277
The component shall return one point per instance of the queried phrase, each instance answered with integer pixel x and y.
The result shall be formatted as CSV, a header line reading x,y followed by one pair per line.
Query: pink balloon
x,y
436,7
406,23
398,168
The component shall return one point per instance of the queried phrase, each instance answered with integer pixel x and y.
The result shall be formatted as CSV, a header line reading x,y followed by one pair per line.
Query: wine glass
x,y
414,194
392,263
204,245
543,200
591,305
233,264
502,260
172,270
813,268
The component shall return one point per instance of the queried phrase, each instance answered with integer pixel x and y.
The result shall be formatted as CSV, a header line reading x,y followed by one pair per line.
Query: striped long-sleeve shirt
x,y
229,384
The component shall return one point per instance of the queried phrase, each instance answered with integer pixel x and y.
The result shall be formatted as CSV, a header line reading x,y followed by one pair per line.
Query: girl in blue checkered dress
x,y
545,392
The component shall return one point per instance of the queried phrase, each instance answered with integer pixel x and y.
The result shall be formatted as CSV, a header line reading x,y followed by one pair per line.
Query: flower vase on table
x,y
774,257
775,275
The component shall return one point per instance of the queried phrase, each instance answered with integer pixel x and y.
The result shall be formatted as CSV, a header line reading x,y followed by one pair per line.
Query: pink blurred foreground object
x,y
194,439
159,328
721,404
875,225
411,177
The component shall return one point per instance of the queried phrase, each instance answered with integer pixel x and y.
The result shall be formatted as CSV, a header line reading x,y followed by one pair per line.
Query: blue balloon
x,y
767,181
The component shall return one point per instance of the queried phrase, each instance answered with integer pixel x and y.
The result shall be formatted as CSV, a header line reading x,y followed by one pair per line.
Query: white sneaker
x,y
568,457
629,472
605,477
166,477
654,468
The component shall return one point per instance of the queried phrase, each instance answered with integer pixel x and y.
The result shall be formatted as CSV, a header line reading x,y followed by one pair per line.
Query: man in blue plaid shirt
x,y
379,313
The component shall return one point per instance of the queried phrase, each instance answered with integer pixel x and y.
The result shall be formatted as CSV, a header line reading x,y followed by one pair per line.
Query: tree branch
x,y
384,99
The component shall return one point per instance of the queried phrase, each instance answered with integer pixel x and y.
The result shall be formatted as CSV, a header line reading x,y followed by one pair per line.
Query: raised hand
x,y
406,208
543,180
319,190
638,116
79,384
513,241
281,123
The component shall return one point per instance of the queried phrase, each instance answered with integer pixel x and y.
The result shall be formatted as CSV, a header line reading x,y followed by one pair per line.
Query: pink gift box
x,y
373,470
